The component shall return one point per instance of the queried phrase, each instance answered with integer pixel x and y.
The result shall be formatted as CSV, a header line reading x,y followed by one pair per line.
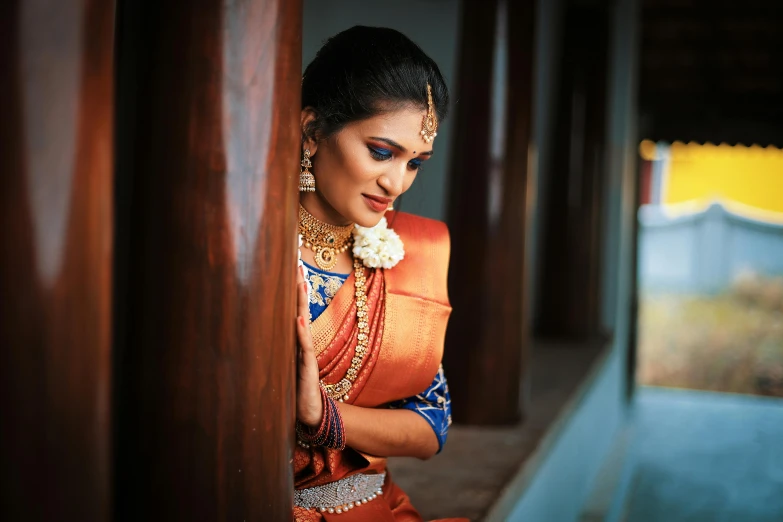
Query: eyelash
x,y
383,155
380,154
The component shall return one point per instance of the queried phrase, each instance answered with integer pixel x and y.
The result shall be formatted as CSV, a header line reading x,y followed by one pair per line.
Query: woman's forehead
x,y
402,125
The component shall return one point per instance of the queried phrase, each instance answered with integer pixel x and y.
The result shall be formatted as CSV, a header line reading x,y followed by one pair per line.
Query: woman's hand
x,y
377,431
309,405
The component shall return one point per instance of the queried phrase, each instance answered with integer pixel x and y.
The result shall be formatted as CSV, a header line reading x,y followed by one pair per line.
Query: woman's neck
x,y
321,210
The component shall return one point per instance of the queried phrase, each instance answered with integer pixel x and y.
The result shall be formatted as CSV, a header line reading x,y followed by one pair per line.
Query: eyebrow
x,y
397,145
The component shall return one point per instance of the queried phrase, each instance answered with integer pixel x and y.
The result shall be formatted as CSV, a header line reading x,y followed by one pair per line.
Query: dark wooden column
x,y
573,246
488,341
210,101
56,82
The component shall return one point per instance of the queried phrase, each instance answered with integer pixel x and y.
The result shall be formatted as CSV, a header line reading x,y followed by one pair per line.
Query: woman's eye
x,y
380,154
414,164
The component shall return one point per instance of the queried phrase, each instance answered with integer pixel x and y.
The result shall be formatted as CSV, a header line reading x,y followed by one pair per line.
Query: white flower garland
x,y
379,246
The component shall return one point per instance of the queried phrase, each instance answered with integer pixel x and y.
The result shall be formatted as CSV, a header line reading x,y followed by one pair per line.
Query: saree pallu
x,y
408,309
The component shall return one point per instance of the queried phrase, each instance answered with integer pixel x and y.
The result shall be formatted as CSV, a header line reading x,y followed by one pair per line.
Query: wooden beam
x,y
573,246
56,61
206,398
488,339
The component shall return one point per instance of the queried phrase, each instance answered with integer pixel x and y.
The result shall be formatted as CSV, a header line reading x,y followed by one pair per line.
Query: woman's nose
x,y
393,181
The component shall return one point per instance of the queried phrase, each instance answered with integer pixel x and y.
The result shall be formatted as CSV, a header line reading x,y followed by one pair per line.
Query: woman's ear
x,y
308,139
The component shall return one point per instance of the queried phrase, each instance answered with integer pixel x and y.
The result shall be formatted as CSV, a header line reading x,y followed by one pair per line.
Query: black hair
x,y
364,71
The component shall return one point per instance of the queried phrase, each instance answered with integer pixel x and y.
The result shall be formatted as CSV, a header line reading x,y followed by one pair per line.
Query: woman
x,y
372,299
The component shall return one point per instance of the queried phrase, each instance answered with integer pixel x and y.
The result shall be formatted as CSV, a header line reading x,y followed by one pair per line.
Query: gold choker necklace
x,y
326,241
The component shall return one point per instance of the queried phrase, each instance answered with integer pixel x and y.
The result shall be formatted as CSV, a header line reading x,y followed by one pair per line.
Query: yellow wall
x,y
747,176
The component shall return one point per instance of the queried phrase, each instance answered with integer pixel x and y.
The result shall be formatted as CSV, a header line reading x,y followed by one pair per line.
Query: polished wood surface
x,y
571,305
56,84
488,338
210,102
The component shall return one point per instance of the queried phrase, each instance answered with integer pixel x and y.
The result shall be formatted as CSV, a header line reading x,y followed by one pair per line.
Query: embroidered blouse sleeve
x,y
434,404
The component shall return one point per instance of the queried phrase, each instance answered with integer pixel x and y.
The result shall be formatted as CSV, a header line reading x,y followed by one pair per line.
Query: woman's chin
x,y
369,219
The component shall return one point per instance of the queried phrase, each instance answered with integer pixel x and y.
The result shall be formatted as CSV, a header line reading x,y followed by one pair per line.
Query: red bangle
x,y
331,432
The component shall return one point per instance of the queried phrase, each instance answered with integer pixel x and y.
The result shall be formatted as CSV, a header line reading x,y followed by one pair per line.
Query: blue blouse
x,y
434,403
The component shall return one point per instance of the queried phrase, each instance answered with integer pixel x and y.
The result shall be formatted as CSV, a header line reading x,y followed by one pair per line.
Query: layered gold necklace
x,y
339,390
325,240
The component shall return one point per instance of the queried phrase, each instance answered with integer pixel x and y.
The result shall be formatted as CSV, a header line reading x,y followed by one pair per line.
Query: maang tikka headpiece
x,y
429,128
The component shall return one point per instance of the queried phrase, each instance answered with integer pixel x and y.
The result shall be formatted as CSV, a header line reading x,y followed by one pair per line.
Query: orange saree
x,y
408,310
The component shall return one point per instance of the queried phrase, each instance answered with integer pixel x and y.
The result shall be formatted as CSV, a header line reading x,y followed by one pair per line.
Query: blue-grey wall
x,y
565,476
704,252
434,26
564,479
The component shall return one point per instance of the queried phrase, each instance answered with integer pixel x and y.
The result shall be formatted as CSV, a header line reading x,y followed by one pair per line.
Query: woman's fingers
x,y
306,353
308,364
305,339
302,299
303,306
308,398
309,404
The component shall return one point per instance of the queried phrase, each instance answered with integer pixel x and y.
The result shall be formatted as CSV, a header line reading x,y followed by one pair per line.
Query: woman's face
x,y
363,168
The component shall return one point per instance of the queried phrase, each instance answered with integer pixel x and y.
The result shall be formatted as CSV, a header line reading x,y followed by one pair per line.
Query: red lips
x,y
377,203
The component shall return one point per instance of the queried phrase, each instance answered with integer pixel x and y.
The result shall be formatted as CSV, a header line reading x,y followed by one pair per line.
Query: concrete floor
x,y
705,457
479,464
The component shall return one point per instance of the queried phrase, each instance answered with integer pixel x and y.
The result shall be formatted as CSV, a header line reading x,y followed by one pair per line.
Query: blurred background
x,y
612,176
711,267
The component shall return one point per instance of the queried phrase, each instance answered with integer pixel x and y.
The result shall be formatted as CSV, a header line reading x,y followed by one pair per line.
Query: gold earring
x,y
306,178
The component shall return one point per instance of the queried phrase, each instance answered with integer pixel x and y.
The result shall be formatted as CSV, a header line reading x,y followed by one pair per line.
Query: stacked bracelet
x,y
331,432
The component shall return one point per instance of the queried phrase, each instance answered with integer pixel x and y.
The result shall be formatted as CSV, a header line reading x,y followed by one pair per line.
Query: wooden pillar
x,y
571,303
210,104
56,62
488,341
